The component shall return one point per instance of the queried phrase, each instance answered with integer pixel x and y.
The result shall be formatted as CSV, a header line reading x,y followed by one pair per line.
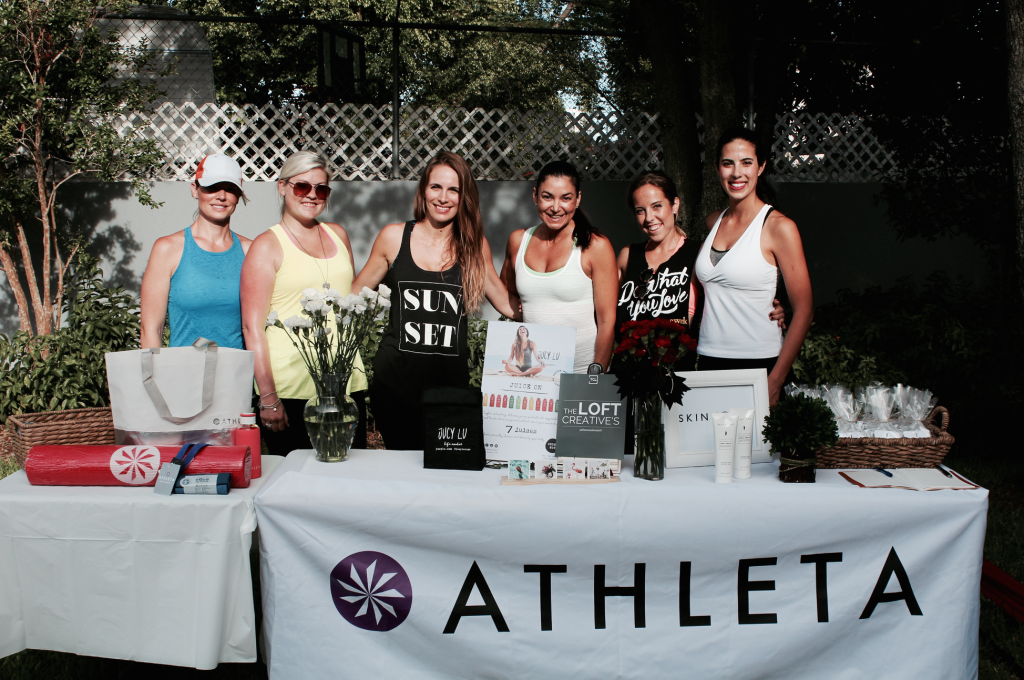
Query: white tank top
x,y
564,297
738,298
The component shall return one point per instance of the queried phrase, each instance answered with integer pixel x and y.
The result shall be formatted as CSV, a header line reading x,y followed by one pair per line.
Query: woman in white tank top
x,y
563,270
750,244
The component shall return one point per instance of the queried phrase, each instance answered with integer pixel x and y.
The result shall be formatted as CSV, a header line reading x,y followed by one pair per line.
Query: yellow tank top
x,y
299,271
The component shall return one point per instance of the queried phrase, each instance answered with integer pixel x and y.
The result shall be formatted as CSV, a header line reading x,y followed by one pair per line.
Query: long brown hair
x,y
466,246
518,345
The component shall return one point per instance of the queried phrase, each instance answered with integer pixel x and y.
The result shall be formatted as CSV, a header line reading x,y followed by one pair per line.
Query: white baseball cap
x,y
217,168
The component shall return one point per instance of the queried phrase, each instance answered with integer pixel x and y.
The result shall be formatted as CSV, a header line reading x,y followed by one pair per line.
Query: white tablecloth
x,y
792,577
123,573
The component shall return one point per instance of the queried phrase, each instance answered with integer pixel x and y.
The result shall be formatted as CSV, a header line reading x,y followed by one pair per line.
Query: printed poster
x,y
523,364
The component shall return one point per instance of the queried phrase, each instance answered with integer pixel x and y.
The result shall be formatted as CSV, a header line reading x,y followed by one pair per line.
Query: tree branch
x,y
24,323
33,283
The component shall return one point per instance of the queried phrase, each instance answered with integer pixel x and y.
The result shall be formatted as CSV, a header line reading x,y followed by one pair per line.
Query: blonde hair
x,y
299,163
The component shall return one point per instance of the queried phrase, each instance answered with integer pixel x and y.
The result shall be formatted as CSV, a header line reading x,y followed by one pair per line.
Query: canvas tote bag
x,y
178,395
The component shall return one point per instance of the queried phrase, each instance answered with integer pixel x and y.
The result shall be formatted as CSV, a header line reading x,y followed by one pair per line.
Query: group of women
x,y
563,271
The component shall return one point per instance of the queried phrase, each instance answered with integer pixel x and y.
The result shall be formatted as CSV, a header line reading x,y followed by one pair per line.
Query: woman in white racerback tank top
x,y
563,270
750,244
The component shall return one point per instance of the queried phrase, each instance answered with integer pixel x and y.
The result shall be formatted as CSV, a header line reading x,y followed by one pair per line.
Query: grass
x,y
1002,637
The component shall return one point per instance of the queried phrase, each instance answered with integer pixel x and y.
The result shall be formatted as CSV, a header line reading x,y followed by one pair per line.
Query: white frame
x,y
675,453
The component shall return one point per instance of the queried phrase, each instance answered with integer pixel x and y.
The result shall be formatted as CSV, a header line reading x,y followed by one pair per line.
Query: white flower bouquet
x,y
331,328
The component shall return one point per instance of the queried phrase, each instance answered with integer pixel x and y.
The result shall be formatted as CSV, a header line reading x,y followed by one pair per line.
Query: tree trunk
x,y
24,323
1015,78
718,97
661,22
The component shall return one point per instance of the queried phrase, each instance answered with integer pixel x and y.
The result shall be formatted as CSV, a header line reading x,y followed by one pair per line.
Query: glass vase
x,y
649,459
331,418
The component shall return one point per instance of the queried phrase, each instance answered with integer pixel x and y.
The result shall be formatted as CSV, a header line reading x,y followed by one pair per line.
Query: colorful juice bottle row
x,y
519,402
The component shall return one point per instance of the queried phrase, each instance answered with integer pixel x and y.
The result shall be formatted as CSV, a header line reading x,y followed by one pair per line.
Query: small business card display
x,y
561,471
453,432
591,418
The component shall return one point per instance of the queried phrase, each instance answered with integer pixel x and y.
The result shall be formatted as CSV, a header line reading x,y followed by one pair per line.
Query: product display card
x,y
519,469
918,479
452,429
574,468
591,417
523,365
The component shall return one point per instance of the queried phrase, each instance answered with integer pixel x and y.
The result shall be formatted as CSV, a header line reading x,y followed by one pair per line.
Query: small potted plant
x,y
797,426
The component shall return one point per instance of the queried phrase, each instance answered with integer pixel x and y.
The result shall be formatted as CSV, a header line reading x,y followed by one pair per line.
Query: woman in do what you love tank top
x,y
749,246
438,267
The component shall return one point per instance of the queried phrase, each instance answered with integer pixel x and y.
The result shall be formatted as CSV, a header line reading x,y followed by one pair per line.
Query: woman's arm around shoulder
x,y
164,259
599,265
340,232
508,266
495,290
245,242
382,256
623,263
712,218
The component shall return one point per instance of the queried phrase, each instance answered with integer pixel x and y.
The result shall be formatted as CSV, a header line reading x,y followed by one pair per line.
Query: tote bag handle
x,y
208,347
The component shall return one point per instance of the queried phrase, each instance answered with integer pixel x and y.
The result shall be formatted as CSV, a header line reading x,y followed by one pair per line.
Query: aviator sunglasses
x,y
301,189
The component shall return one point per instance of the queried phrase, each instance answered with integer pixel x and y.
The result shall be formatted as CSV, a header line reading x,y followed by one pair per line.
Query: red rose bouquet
x,y
644,358
643,363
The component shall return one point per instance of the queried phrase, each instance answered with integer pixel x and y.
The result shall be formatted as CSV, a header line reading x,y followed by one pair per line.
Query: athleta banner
x,y
378,568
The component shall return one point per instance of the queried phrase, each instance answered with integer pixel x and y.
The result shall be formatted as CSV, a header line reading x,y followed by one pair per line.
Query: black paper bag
x,y
453,428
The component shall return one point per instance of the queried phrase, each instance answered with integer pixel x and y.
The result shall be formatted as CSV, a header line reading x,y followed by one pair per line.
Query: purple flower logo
x,y
371,591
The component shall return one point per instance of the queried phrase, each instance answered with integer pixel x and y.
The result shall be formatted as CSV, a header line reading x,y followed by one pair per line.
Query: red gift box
x,y
132,465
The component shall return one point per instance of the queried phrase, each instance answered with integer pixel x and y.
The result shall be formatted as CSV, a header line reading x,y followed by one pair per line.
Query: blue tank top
x,y
204,298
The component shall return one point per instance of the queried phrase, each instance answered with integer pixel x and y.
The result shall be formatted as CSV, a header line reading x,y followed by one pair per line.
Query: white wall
x,y
846,235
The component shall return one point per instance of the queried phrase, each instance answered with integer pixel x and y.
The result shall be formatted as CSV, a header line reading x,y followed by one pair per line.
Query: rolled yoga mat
x,y
131,465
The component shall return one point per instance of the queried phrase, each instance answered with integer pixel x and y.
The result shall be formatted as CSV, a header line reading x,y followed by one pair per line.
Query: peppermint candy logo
x,y
135,464
371,591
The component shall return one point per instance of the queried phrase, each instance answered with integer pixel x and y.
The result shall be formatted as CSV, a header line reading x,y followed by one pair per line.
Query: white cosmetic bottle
x,y
725,445
744,441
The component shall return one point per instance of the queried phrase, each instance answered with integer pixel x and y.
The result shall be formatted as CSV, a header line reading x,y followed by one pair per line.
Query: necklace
x,y
316,261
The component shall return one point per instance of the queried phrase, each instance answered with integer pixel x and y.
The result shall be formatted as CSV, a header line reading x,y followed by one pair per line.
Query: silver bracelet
x,y
266,406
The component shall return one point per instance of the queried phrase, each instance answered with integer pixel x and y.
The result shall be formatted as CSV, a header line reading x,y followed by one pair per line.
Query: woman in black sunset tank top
x,y
439,268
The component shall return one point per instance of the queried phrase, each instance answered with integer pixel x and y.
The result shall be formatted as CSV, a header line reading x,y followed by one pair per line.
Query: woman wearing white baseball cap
x,y
193,275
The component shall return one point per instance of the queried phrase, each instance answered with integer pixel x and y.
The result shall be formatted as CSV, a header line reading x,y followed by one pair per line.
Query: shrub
x,y
66,369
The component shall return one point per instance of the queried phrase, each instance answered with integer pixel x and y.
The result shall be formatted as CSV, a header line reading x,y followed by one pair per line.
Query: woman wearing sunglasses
x,y
192,275
439,269
298,252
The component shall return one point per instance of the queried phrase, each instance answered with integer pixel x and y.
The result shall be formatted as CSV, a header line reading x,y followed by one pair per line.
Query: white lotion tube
x,y
725,445
744,440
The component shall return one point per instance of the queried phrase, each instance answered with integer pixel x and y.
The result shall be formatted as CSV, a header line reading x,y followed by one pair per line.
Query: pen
x,y
884,471
944,471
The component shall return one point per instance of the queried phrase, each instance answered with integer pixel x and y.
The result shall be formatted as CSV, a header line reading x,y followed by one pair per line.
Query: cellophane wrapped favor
x,y
914,406
841,400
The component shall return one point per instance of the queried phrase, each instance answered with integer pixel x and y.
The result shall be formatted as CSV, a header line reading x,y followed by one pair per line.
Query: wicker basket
x,y
74,426
872,452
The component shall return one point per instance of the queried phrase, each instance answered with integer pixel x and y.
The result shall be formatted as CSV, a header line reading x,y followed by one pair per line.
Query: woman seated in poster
x,y
521,362
439,269
193,274
750,245
563,270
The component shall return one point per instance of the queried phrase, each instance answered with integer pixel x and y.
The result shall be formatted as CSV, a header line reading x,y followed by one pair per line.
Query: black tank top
x,y
666,295
424,344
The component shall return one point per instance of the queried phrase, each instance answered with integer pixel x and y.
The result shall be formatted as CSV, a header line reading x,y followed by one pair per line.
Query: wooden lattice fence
x,y
498,144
